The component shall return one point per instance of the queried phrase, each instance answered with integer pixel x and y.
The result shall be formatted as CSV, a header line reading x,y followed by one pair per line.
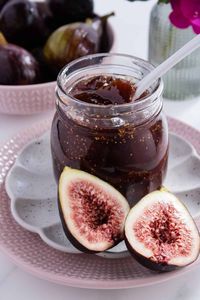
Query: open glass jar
x,y
125,145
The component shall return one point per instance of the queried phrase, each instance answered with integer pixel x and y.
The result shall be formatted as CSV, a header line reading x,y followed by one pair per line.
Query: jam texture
x,y
131,158
104,90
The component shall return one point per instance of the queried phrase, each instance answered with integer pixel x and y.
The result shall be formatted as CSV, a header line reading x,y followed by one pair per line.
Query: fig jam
x,y
104,90
128,149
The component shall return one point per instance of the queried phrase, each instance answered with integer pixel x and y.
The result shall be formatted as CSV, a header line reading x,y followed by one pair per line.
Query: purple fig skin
x,y
2,3
69,11
159,267
18,66
79,39
25,23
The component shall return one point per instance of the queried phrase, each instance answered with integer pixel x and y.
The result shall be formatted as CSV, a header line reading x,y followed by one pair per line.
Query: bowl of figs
x,y
37,39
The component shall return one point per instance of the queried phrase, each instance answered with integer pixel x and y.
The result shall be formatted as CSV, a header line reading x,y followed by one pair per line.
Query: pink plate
x,y
87,271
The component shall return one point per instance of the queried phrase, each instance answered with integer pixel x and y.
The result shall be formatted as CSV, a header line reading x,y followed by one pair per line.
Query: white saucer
x,y
32,189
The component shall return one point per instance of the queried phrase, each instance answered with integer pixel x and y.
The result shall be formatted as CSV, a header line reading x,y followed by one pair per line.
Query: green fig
x,y
2,39
74,40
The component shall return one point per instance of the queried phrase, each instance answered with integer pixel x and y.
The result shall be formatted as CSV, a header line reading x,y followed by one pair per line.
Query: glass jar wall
x,y
125,145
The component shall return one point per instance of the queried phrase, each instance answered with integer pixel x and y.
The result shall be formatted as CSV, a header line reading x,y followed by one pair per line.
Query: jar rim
x,y
156,93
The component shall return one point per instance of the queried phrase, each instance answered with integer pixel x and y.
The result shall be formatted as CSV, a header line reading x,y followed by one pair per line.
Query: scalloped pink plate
x,y
28,251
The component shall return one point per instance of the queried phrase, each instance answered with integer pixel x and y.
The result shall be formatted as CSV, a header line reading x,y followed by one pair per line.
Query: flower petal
x,y
196,22
190,9
196,29
196,25
175,4
178,20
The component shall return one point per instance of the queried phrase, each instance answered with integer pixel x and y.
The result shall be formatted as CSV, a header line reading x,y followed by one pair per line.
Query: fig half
x,y
160,233
93,213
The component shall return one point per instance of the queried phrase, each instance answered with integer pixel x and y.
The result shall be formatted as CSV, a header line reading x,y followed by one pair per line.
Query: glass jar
x,y
125,145
182,82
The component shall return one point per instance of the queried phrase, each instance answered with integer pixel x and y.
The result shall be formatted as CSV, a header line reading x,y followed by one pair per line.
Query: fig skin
x,y
69,11
70,42
25,23
152,265
166,197
75,40
46,74
18,66
46,18
2,3
70,226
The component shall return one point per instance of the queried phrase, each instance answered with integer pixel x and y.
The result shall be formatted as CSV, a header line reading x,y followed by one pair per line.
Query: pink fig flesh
x,y
93,213
160,232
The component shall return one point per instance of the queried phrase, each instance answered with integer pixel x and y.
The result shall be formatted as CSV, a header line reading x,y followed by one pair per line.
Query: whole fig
x,y
71,10
25,22
46,73
74,40
18,66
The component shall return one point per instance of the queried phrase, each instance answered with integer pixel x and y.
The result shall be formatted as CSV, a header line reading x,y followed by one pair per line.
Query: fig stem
x,y
2,40
163,189
105,17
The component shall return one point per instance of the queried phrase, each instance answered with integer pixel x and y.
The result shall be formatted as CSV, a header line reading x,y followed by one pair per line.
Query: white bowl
x,y
35,98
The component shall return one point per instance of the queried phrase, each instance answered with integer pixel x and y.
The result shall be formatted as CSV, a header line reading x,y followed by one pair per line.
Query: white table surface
x,y
131,25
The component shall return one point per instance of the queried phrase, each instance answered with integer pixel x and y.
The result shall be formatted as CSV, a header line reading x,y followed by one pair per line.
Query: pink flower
x,y
186,13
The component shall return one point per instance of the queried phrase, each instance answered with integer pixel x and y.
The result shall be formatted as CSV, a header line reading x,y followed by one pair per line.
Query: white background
x,y
131,26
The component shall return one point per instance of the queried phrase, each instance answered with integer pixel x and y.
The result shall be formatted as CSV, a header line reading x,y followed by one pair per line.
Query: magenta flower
x,y
186,13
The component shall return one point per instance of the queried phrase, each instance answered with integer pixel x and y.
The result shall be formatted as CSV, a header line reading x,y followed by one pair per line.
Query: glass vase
x,y
183,81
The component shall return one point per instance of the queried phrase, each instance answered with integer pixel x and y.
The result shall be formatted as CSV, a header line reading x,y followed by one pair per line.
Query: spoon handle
x,y
164,67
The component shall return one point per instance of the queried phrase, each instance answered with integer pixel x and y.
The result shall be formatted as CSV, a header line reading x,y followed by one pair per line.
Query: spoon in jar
x,y
150,78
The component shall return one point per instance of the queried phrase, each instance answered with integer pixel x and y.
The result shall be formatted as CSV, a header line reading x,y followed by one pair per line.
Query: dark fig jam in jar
x,y
97,127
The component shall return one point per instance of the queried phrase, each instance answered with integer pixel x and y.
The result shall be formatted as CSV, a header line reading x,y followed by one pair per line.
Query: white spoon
x,y
163,68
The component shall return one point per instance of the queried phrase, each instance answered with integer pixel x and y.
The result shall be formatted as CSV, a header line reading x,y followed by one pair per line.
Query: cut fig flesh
x,y
160,233
93,213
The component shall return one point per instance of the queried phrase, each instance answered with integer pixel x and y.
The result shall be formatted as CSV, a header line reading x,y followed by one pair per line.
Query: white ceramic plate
x,y
32,189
